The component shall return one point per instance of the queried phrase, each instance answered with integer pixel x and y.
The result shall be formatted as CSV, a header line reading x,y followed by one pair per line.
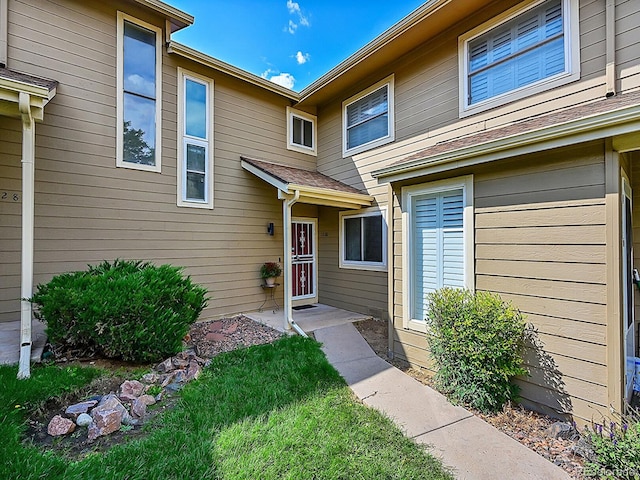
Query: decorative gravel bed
x,y
213,337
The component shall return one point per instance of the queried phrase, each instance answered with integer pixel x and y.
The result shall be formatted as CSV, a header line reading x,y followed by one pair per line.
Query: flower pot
x,y
271,281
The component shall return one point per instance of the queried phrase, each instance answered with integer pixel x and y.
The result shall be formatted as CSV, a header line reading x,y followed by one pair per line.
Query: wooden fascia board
x,y
617,122
208,61
324,196
177,17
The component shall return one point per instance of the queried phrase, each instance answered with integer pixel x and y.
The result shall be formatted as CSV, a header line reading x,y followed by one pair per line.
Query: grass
x,y
276,411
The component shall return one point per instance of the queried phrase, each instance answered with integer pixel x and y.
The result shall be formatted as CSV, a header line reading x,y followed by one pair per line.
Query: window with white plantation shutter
x,y
368,118
438,245
532,50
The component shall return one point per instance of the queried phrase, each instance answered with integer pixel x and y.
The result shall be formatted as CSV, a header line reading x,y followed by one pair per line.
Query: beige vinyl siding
x,y
540,243
87,210
628,44
363,291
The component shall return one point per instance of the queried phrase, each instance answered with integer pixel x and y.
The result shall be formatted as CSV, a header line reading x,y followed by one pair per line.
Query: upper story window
x,y
195,140
139,94
363,239
301,131
531,48
368,118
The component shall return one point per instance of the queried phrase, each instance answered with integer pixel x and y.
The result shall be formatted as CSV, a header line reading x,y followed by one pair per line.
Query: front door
x,y
629,325
303,261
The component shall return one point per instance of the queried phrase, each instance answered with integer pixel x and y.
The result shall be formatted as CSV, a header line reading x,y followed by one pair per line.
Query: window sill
x,y
369,267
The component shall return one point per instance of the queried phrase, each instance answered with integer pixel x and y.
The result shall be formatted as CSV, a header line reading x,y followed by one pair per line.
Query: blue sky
x,y
289,42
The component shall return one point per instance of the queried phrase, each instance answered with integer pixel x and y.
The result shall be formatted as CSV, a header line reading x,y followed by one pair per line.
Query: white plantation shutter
x,y
524,50
368,118
438,245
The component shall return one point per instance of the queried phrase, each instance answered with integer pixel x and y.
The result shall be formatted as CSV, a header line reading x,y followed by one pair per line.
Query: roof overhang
x,y
426,22
39,95
623,125
211,62
176,19
310,194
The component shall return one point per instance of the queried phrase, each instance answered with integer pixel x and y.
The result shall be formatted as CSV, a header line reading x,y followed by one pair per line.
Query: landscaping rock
x,y
76,409
193,372
164,367
60,426
84,420
560,430
215,337
138,409
180,360
111,402
105,421
166,379
130,390
215,326
147,399
231,328
150,378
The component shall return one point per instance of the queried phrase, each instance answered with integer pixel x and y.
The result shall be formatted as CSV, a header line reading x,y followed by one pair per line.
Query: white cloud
x,y
285,80
302,58
301,19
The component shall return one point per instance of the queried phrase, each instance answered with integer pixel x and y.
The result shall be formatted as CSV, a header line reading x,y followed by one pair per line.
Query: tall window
x,y
520,54
438,238
368,118
139,94
301,131
195,140
363,239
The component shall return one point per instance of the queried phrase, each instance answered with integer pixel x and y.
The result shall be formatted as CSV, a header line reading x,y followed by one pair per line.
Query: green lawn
x,y
277,411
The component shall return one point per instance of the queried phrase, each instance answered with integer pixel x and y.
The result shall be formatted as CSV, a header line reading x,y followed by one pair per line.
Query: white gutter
x,y
28,203
287,202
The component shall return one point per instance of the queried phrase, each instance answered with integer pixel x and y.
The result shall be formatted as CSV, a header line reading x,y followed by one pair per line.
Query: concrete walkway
x,y
471,447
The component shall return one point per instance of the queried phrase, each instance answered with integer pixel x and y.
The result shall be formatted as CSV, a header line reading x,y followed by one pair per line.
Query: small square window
x,y
301,131
363,240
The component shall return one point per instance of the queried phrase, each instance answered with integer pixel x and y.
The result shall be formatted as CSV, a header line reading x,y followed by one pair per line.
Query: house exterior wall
x,y
540,243
87,210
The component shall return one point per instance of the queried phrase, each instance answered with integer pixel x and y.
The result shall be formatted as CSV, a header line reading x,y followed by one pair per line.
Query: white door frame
x,y
307,299
628,317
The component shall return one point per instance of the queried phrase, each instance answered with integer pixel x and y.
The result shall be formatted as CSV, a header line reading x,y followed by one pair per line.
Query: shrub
x,y
616,448
476,341
126,309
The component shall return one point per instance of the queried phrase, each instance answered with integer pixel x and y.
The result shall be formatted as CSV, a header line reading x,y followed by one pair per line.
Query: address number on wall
x,y
9,196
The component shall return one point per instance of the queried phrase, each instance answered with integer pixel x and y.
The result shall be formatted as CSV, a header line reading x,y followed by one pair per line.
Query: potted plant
x,y
269,271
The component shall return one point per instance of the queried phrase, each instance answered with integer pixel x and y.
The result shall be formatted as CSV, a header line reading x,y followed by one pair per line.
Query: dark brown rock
x,y
76,409
60,426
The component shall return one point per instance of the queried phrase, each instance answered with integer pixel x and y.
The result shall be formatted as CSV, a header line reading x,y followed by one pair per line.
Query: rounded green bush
x,y
476,341
126,309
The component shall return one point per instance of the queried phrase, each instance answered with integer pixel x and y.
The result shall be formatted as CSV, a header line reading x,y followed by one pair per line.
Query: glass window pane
x,y
368,131
139,130
308,134
372,238
139,60
196,109
297,130
195,186
196,158
372,105
352,239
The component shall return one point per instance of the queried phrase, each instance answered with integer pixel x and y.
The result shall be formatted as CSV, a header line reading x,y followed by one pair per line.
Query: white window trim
x,y
363,265
572,50
389,82
183,75
313,150
408,195
120,94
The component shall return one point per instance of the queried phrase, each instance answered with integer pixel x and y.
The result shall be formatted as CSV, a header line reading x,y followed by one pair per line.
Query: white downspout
x,y
287,202
610,48
28,201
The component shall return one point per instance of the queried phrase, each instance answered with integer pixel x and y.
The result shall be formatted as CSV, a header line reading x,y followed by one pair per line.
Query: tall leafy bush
x,y
476,341
125,309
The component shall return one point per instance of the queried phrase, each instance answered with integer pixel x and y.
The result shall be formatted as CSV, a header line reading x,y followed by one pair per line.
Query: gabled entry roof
x,y
313,187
